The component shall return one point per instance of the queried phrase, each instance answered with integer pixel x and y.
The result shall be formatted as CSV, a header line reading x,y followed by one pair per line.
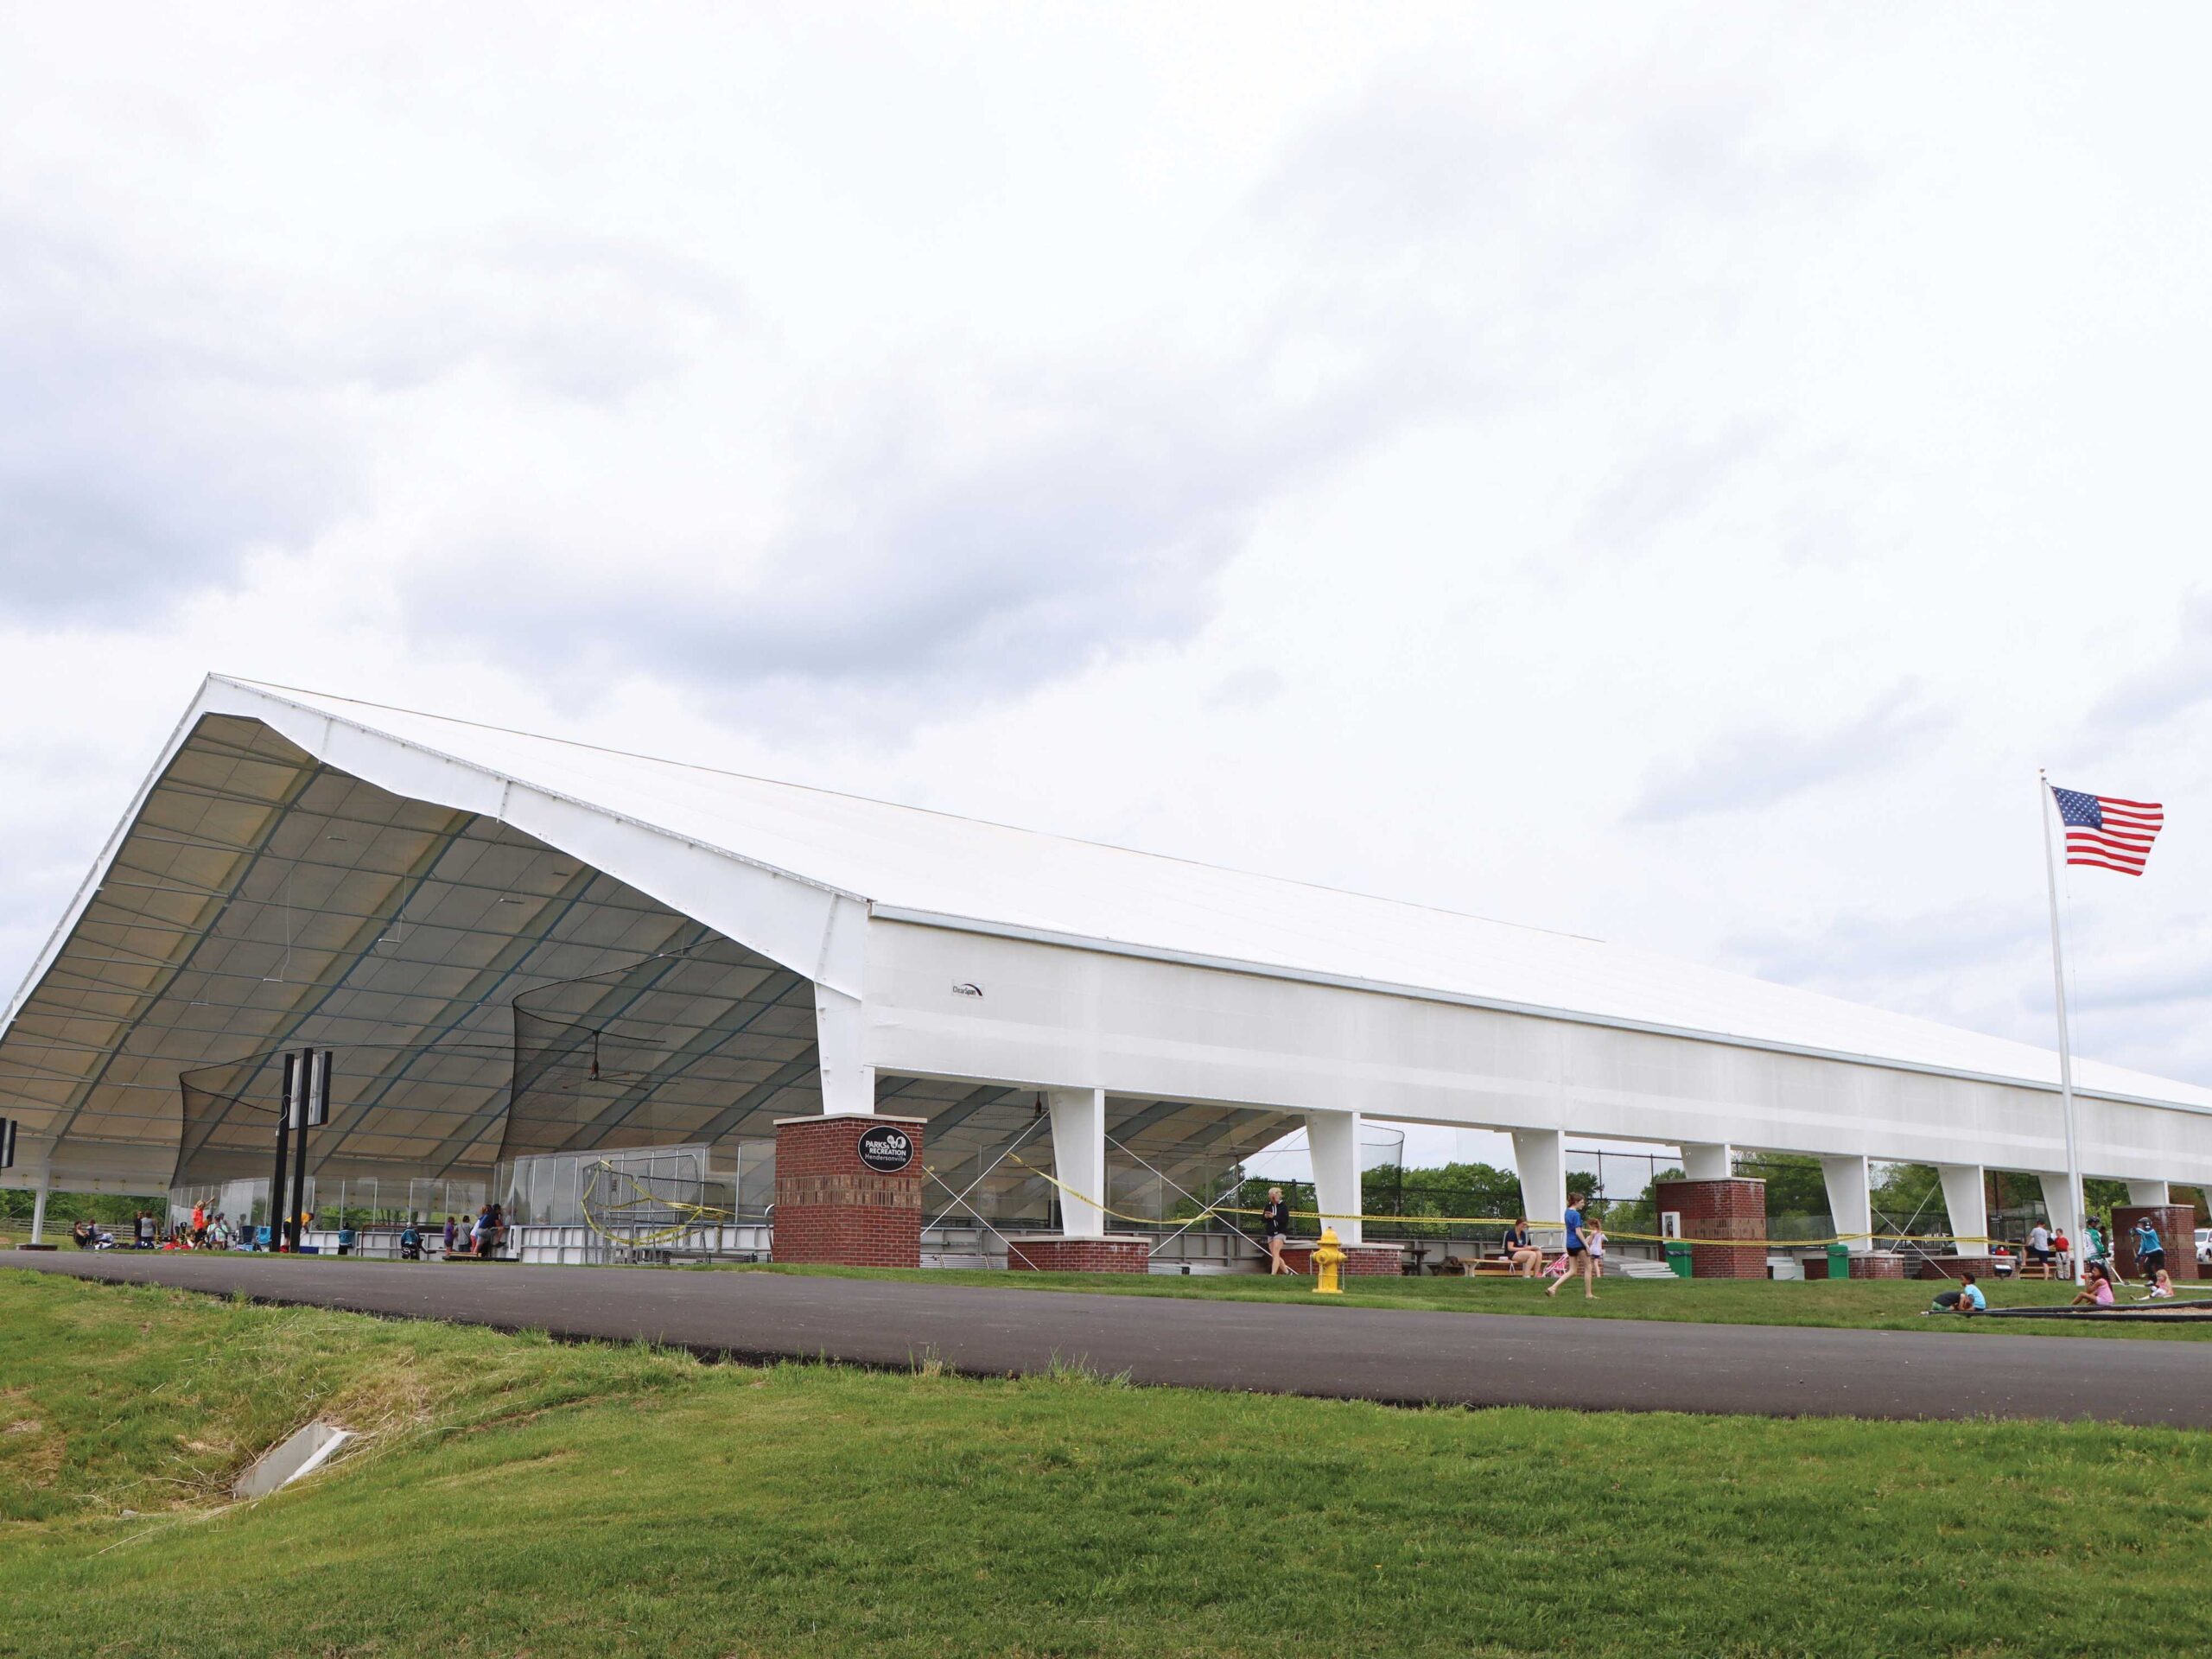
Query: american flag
x,y
2107,831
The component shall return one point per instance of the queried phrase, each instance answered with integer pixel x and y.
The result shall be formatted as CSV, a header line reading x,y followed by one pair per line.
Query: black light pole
x,y
284,1150
303,1095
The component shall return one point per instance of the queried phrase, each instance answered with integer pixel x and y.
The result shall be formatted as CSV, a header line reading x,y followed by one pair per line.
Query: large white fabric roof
x,y
957,871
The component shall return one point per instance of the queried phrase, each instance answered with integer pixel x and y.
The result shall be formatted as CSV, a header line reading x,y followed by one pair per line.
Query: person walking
x,y
1579,1258
1276,1216
2039,1249
453,1230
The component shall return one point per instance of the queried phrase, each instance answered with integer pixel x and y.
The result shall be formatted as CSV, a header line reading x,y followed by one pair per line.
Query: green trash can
x,y
1678,1258
1838,1261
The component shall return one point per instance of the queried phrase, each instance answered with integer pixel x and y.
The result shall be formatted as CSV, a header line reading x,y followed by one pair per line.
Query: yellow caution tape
x,y
1502,1221
695,1215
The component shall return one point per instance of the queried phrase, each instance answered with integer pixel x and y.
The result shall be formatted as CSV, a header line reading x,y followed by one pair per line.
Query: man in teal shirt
x,y
2150,1248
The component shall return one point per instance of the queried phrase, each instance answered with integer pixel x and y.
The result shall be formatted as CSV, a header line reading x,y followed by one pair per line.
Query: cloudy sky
x,y
1671,475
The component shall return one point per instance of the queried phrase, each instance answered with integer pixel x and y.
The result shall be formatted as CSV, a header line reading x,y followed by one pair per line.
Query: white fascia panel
x,y
1049,1015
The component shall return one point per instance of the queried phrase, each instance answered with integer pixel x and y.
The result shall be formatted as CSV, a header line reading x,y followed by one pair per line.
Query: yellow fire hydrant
x,y
1328,1265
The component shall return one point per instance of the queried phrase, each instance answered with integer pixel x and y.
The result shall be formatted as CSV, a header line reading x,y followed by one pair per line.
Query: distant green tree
x,y
1641,1214
1908,1199
62,1209
1794,1186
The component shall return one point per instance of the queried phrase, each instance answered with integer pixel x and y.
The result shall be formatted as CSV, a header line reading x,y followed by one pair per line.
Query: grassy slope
x,y
525,1497
1859,1304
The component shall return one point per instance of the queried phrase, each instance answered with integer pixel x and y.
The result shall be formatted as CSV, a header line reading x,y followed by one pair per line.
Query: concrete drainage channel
x,y
302,1454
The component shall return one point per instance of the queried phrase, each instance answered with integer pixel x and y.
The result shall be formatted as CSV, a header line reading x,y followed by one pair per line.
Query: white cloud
x,y
1441,453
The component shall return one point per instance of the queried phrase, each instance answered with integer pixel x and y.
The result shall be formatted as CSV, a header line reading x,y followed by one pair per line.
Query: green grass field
x,y
1857,1304
519,1496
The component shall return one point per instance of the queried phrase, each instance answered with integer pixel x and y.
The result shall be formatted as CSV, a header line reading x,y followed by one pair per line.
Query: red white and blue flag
x,y
2107,831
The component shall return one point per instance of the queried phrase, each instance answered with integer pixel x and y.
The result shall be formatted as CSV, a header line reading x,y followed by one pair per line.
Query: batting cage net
x,y
705,1046
411,1132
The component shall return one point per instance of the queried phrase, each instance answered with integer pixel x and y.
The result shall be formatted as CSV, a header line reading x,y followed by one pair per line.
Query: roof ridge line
x,y
931,811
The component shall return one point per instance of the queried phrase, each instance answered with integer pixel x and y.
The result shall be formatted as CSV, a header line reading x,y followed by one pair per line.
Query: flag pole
x,y
2075,1197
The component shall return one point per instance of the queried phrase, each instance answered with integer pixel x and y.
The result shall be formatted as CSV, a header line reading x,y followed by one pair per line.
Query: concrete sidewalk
x,y
1399,1358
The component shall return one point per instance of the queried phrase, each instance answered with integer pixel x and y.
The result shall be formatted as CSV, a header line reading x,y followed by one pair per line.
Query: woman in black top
x,y
1278,1222
1520,1252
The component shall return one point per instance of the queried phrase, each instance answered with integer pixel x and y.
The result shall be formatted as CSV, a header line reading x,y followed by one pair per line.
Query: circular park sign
x,y
886,1149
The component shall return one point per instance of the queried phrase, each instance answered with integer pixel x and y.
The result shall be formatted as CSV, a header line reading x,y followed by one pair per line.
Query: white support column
x,y
1334,1139
1079,1158
2150,1192
1708,1163
1540,1159
38,1207
1965,1195
2065,1218
848,1085
1851,1199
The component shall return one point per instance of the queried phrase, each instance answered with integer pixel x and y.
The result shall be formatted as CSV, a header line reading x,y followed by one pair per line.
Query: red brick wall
x,y
1950,1267
2176,1225
1372,1261
1116,1254
1877,1265
1730,1209
832,1207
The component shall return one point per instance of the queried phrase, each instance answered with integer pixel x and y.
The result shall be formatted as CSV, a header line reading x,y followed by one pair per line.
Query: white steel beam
x,y
1079,1158
1540,1159
1966,1198
1708,1163
1333,1140
848,1082
1851,1201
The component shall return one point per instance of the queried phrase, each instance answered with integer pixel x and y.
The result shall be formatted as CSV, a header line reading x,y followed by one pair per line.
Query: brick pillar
x,y
1730,1209
2176,1225
849,1190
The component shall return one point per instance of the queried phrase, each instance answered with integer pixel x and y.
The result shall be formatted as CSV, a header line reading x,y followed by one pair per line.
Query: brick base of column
x,y
1361,1261
1876,1264
2176,1225
834,1206
1951,1267
1724,1210
1053,1253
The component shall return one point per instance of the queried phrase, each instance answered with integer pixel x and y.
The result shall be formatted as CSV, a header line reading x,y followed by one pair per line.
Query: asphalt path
x,y
1402,1358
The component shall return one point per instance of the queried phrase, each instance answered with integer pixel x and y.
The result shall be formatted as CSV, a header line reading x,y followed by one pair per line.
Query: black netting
x,y
397,1113
704,1047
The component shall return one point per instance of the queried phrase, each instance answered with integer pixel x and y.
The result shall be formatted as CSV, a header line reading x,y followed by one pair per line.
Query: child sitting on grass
x,y
1965,1300
2096,1289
